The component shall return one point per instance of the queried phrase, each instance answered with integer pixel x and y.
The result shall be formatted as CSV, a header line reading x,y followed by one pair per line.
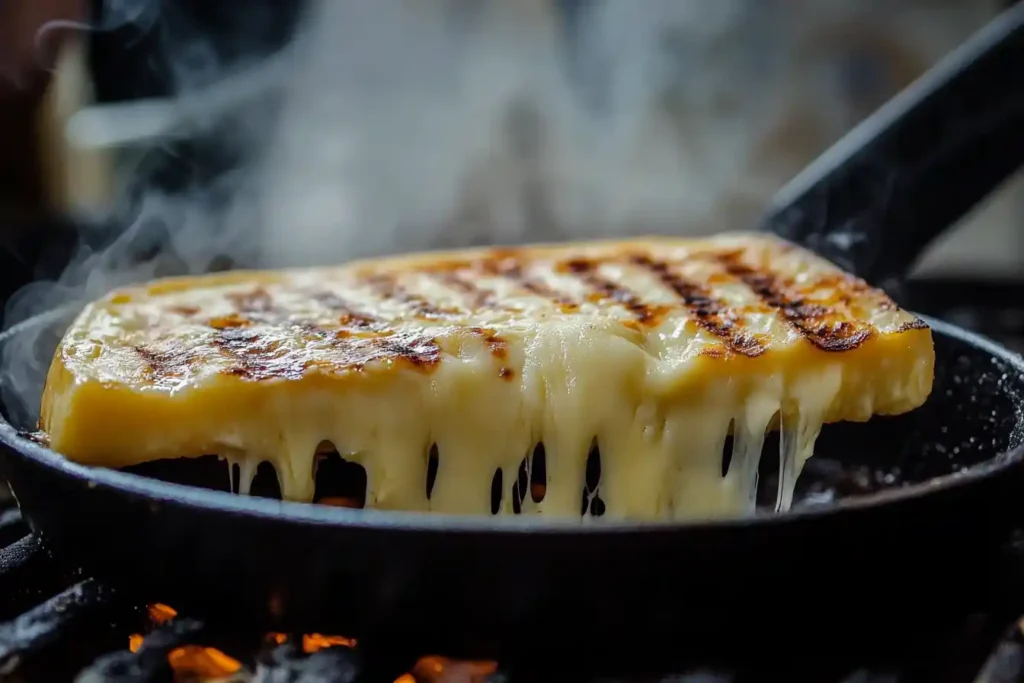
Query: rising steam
x,y
397,125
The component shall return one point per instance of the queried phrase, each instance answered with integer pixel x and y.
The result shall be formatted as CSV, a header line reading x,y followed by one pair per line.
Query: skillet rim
x,y
158,492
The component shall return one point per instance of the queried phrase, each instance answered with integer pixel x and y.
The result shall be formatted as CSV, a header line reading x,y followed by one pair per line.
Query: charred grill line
x,y
712,314
603,288
256,301
348,315
164,364
513,272
419,350
819,324
385,286
186,311
255,357
477,298
495,344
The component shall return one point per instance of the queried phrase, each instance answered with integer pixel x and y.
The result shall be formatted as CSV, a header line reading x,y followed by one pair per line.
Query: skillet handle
x,y
874,201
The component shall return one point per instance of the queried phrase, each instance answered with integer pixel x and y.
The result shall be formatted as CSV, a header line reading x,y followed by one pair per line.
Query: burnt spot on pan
x,y
712,314
820,324
605,289
386,286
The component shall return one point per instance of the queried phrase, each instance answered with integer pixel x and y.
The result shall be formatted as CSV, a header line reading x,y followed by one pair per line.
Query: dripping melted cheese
x,y
653,350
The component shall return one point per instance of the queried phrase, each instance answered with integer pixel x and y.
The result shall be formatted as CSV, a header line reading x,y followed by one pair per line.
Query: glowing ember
x,y
161,614
442,670
202,662
207,662
313,642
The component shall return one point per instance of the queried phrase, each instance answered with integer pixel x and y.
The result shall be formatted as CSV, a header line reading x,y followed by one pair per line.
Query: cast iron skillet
x,y
926,500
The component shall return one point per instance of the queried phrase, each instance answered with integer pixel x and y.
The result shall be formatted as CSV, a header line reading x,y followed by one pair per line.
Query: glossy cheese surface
x,y
652,351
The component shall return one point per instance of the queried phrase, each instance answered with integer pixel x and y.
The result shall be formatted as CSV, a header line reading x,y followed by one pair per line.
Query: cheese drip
x,y
656,462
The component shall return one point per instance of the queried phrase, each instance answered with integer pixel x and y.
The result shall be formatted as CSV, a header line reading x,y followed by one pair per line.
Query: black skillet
x,y
925,501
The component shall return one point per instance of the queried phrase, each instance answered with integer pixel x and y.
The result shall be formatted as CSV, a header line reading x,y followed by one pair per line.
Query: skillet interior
x,y
465,584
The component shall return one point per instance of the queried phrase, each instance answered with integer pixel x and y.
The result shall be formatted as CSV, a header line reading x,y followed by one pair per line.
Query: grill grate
x,y
56,625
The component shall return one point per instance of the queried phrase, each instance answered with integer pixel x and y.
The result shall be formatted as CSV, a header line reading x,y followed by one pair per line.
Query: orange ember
x,y
313,642
442,670
202,662
160,613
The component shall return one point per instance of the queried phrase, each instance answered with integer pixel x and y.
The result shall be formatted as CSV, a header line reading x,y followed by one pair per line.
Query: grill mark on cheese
x,y
495,344
258,300
417,350
187,311
514,272
915,324
348,315
820,324
712,314
498,348
163,364
476,297
603,288
257,356
228,321
386,286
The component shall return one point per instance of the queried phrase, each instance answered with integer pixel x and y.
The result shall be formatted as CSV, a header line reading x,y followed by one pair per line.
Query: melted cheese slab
x,y
653,351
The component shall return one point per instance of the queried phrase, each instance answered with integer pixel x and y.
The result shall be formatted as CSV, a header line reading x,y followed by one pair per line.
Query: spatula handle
x,y
874,201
